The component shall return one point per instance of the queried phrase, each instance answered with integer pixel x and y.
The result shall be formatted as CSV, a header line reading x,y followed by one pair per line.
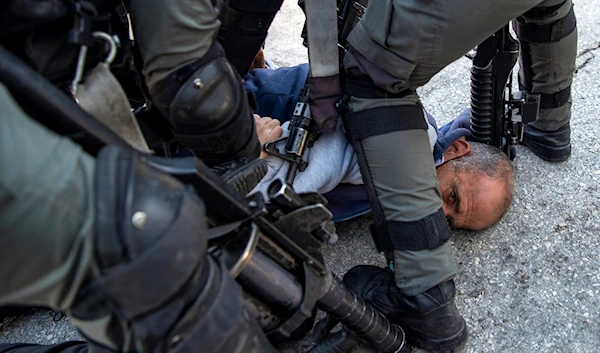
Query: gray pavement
x,y
531,282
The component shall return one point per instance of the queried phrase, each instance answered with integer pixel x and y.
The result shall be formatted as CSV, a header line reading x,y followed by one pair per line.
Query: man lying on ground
x,y
476,180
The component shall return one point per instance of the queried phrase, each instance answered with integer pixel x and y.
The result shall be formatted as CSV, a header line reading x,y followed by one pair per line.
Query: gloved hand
x,y
457,128
452,131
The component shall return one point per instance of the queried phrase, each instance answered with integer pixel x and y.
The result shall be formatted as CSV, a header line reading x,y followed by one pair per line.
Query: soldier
x,y
396,48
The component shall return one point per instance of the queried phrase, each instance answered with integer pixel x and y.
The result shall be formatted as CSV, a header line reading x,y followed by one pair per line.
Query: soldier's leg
x,y
548,37
190,81
397,47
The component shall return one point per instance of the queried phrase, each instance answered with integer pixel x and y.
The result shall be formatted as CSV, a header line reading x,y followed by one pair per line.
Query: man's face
x,y
470,201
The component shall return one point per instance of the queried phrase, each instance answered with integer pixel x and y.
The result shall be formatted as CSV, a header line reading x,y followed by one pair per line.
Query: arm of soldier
x,y
46,211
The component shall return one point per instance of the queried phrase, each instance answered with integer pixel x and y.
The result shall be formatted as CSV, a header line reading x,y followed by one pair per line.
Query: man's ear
x,y
457,149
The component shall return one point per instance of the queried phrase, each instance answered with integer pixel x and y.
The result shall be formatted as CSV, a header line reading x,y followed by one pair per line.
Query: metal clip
x,y
112,53
112,43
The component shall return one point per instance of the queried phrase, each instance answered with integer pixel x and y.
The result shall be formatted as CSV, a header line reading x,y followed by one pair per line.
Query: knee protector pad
x,y
548,39
140,209
208,109
149,251
153,287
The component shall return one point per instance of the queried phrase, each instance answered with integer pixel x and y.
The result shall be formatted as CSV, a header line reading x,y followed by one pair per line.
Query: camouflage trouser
x,y
401,45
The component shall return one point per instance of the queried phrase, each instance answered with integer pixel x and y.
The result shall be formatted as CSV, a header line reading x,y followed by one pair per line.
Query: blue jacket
x,y
276,91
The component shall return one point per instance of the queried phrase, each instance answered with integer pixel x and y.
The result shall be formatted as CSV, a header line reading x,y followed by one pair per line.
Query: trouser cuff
x,y
417,271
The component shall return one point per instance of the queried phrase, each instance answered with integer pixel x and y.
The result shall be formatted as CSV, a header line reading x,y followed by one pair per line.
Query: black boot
x,y
430,319
551,146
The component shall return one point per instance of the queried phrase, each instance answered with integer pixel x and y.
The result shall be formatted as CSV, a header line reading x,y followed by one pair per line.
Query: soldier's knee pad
x,y
208,109
152,286
548,38
140,209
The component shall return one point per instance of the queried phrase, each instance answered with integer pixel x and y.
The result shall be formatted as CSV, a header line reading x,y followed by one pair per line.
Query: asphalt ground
x,y
530,283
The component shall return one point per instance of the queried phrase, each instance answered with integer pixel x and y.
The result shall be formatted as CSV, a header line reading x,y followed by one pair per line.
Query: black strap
x,y
425,234
381,120
363,86
555,100
549,33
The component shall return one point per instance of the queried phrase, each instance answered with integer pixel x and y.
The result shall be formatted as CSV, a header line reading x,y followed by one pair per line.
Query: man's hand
x,y
267,129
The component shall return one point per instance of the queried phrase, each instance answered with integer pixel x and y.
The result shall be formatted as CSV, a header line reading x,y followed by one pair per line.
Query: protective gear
x,y
426,233
430,320
381,120
242,175
548,38
208,109
153,287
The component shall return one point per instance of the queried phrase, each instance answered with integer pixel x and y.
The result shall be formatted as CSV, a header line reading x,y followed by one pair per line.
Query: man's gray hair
x,y
493,162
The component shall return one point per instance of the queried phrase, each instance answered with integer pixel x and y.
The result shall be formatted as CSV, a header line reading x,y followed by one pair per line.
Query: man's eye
x,y
452,196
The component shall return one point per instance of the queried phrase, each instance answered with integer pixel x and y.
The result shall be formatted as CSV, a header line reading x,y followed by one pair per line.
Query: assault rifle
x,y
498,115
